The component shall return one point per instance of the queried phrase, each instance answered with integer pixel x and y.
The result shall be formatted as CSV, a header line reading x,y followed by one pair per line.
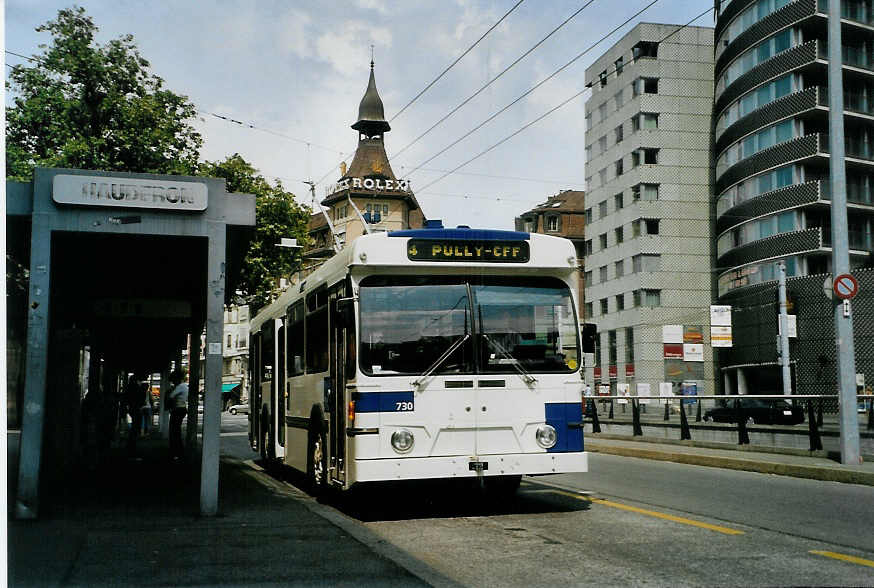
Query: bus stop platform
x,y
136,523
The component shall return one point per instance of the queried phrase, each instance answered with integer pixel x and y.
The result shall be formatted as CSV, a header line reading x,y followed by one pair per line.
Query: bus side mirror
x,y
345,311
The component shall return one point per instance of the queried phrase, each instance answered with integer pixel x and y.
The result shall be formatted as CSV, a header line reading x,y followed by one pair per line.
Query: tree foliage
x,y
83,105
278,216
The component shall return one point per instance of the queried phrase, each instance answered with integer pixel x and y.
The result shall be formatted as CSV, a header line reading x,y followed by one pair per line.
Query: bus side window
x,y
317,332
296,339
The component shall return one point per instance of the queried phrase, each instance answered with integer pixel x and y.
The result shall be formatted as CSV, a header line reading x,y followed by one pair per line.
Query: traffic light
x,y
590,333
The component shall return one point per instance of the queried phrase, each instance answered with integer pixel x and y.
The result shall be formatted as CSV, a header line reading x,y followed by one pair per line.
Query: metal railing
x,y
726,412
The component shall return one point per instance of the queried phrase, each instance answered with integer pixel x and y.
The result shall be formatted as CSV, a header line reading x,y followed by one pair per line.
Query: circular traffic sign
x,y
845,286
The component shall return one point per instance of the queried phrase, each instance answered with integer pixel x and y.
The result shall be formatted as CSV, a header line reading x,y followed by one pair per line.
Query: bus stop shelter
x,y
123,270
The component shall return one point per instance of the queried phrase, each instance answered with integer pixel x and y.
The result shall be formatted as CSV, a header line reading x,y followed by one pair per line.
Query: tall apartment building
x,y
773,204
648,239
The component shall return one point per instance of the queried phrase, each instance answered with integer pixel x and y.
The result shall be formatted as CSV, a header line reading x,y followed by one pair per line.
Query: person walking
x,y
135,397
146,409
177,401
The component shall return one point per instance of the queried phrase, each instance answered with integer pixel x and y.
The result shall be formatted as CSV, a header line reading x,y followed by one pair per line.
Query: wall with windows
x,y
649,247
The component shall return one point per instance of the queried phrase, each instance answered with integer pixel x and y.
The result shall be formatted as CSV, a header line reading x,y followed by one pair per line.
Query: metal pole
x,y
784,333
846,358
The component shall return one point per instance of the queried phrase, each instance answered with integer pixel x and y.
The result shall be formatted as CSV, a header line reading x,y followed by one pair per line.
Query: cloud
x,y
348,45
377,5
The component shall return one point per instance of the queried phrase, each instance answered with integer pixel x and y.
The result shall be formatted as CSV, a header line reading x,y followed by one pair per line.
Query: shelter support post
x,y
33,415
212,396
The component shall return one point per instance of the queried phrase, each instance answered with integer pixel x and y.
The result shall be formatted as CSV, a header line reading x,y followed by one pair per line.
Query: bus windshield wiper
x,y
529,379
421,379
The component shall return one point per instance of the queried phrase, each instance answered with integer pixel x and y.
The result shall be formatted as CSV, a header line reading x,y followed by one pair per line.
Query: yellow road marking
x,y
848,558
652,513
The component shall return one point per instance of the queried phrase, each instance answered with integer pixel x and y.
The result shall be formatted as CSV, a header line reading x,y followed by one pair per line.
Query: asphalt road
x,y
627,522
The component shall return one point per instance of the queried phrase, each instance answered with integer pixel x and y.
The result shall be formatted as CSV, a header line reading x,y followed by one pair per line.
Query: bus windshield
x,y
407,323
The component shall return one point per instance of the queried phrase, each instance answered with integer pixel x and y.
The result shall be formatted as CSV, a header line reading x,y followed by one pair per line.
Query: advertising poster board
x,y
643,390
666,391
693,352
693,334
720,337
673,350
622,390
689,389
720,315
672,333
604,390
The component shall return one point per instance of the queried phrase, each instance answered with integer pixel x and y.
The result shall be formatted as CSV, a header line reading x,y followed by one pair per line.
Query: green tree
x,y
277,215
83,105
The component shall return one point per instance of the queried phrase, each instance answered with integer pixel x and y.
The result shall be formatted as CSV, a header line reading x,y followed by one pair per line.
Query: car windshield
x,y
407,323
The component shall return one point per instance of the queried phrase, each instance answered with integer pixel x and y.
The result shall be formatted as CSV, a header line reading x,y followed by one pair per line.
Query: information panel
x,y
467,251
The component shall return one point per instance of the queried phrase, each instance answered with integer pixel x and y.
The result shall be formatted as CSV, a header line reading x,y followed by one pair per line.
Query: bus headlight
x,y
546,436
402,441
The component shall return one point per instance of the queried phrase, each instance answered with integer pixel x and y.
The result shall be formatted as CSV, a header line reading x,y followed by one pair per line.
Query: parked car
x,y
761,411
241,408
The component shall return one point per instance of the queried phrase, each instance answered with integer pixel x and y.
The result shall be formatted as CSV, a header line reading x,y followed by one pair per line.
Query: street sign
x,y
845,286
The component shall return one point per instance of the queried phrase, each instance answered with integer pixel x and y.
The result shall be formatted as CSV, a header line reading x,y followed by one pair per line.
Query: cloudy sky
x,y
296,71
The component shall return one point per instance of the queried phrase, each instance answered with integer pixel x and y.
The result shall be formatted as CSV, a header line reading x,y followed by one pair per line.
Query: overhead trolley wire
x,y
460,57
595,44
494,79
588,86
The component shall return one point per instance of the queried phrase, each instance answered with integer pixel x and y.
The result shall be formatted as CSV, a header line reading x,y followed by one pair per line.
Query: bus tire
x,y
316,462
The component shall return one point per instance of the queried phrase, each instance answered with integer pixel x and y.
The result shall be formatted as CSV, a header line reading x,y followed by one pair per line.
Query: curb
x,y
794,470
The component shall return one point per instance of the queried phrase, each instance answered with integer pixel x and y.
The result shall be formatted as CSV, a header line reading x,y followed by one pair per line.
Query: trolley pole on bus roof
x,y
846,358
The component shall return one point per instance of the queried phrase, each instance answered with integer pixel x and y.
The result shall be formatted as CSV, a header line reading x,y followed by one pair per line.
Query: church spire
x,y
370,159
371,113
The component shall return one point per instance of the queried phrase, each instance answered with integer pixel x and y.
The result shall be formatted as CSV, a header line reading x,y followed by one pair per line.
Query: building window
x,y
588,309
618,65
649,121
229,341
619,167
646,156
603,78
602,145
552,223
602,112
645,49
530,225
618,100
588,216
651,297
619,234
645,192
619,268
652,226
587,247
602,176
602,209
611,349
646,262
618,133
604,306
629,345
620,302
617,201
602,238
587,278
602,273
635,298
645,86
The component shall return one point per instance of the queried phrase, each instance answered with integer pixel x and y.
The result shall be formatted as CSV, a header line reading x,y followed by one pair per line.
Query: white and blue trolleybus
x,y
424,354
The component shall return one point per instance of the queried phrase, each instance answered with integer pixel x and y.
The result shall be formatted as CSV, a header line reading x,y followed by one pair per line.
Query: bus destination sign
x,y
467,251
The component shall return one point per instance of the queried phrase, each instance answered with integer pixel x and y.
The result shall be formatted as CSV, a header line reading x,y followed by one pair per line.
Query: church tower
x,y
385,202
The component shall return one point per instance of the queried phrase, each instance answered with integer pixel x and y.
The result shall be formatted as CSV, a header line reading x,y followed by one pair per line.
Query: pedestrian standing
x,y
134,397
177,401
146,409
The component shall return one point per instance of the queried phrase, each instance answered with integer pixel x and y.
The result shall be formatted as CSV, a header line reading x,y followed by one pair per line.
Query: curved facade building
x,y
771,189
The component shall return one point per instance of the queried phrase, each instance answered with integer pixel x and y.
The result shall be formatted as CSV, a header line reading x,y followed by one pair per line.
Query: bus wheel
x,y
316,463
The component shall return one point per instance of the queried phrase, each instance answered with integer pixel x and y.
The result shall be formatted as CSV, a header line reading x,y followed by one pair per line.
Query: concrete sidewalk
x,y
135,523
735,457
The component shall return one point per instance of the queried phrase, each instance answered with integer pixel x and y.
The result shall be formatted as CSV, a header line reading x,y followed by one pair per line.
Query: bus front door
x,y
340,332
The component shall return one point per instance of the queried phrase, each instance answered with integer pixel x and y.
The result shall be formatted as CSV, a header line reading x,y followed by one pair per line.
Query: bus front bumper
x,y
419,468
